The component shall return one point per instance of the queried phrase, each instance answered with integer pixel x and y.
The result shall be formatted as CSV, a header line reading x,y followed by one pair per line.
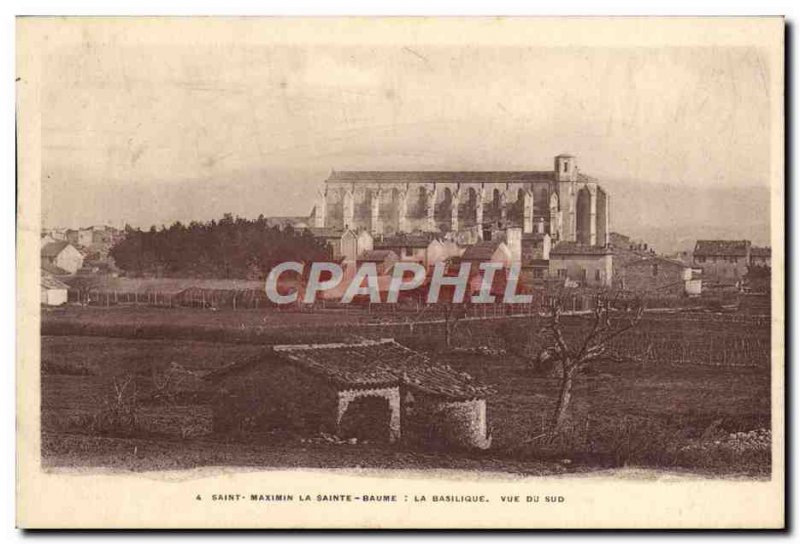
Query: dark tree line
x,y
232,247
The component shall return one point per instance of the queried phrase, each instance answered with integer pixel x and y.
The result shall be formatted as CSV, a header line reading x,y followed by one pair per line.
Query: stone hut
x,y
379,391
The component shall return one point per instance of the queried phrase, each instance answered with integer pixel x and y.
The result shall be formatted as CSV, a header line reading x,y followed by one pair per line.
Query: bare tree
x,y
166,383
453,314
611,318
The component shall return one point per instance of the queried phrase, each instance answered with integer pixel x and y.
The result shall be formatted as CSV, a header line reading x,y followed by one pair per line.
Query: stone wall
x,y
444,424
657,277
275,396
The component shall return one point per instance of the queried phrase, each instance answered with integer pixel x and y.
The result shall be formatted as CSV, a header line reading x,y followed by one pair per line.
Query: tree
x,y
453,313
611,318
232,247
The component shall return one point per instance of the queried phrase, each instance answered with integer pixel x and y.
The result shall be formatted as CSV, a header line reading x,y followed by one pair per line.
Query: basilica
x,y
564,203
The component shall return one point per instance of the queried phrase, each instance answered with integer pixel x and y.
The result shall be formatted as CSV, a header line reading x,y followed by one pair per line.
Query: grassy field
x,y
679,405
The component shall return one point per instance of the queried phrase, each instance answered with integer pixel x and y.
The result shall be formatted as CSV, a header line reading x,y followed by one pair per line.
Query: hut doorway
x,y
367,419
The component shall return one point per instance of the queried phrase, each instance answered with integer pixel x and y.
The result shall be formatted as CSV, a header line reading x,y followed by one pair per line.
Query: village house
x,y
377,391
47,238
384,260
407,246
353,244
344,245
535,256
54,292
426,249
760,256
658,276
722,261
331,237
626,250
586,266
62,255
103,238
80,237
494,251
54,234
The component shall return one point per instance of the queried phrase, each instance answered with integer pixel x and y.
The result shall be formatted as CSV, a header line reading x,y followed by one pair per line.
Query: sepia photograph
x,y
442,273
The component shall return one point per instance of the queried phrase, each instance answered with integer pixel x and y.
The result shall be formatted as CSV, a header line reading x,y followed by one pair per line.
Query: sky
x,y
150,135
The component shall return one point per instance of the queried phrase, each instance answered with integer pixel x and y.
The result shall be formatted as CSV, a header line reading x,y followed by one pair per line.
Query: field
x,y
695,394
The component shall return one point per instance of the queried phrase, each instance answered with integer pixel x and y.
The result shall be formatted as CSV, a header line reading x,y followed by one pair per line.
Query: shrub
x,y
634,440
119,415
749,452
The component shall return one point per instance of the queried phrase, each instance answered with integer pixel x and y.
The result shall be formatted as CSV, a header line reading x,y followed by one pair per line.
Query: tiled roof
x,y
49,282
481,251
405,240
444,176
722,247
760,251
372,364
53,248
53,270
377,255
574,248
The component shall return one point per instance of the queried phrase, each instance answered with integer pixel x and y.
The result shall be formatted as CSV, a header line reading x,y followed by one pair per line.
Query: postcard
x,y
400,273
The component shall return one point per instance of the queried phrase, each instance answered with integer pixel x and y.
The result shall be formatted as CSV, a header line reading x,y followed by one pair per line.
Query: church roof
x,y
443,176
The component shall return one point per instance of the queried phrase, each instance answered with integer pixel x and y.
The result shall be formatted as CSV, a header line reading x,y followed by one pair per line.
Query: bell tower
x,y
566,168
566,177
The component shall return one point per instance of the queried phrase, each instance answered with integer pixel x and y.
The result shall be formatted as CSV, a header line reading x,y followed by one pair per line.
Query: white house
x,y
354,243
54,292
62,255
